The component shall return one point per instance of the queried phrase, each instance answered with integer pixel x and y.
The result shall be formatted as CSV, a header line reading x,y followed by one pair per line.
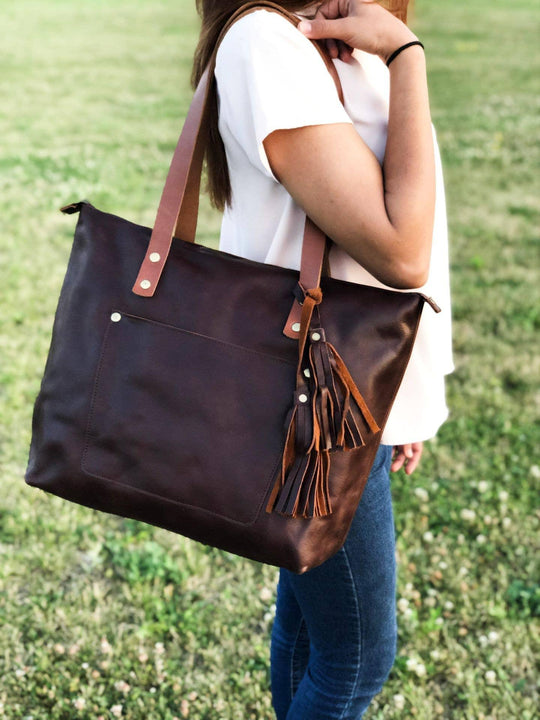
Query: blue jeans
x,y
334,635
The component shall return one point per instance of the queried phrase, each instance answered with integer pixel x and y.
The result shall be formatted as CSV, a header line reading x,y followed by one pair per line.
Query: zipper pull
x,y
430,301
72,208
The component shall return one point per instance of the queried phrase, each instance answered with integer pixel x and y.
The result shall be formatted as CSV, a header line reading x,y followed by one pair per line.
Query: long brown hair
x,y
214,14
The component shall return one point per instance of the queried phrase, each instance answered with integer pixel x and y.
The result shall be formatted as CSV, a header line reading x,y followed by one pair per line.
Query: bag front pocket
x,y
187,418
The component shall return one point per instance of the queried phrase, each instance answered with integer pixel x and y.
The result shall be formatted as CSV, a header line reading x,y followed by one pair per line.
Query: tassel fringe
x,y
329,414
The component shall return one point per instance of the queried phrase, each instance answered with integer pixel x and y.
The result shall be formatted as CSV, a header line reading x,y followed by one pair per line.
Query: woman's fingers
x,y
332,47
332,9
398,458
413,462
321,28
361,24
338,49
407,456
345,51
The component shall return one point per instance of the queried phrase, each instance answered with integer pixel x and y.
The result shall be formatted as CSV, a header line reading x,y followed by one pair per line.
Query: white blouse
x,y
270,77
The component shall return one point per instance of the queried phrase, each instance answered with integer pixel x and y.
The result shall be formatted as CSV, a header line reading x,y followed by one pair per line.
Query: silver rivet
x,y
302,398
155,257
307,373
296,327
145,284
316,336
116,317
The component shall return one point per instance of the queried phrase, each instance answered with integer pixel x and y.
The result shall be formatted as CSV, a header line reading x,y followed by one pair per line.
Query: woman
x,y
368,173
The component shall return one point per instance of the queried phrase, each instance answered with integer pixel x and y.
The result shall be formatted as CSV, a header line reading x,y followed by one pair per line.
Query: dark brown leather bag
x,y
234,402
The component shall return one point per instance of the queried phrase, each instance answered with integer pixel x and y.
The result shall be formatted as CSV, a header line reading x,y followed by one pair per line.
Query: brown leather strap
x,y
179,204
186,164
186,226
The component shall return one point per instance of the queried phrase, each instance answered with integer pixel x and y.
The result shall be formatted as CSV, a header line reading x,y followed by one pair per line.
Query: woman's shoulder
x,y
263,20
263,31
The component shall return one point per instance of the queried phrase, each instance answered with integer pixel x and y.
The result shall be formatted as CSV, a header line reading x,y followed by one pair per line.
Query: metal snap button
x,y
145,284
116,317
303,398
315,336
155,257
296,327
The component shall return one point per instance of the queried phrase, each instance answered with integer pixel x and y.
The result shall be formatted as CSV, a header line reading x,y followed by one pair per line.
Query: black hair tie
x,y
394,55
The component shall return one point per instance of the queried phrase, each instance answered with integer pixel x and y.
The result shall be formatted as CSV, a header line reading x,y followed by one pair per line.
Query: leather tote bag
x,y
233,402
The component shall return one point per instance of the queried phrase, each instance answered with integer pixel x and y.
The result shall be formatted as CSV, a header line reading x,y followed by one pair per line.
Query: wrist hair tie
x,y
394,55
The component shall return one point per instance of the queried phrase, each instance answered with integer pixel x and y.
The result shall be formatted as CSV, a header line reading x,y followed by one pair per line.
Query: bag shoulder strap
x,y
179,205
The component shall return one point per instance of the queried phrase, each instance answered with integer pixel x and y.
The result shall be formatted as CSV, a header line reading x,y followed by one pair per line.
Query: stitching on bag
x,y
90,421
208,337
177,503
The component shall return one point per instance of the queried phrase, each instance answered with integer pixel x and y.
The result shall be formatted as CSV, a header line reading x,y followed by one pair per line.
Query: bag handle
x,y
187,220
178,208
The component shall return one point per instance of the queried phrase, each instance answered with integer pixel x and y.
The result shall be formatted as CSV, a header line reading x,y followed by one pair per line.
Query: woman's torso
x,y
270,77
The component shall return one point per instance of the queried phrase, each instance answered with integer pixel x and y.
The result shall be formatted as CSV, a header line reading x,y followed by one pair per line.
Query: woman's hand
x,y
361,24
407,456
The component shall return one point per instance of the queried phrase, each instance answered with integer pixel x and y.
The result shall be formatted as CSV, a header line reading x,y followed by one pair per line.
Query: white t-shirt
x,y
270,77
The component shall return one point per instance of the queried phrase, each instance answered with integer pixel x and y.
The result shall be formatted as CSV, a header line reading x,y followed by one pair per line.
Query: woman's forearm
x,y
409,162
394,240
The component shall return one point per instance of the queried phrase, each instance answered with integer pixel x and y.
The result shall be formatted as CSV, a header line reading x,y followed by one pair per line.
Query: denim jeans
x,y
334,635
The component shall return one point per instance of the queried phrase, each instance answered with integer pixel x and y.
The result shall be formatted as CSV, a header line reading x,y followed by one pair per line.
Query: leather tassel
x,y
300,489
304,490
314,500
328,406
342,412
328,415
356,413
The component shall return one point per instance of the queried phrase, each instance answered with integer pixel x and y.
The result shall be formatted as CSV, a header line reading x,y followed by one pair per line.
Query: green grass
x,y
97,612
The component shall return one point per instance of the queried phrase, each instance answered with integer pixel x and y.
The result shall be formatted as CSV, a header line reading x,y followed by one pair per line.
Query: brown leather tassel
x,y
328,405
304,489
326,416
341,409
314,498
301,489
355,410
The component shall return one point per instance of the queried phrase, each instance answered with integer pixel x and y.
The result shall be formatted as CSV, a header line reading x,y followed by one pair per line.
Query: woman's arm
x,y
382,217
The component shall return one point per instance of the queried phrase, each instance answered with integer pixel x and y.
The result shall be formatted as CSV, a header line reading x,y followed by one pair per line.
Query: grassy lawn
x,y
105,618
